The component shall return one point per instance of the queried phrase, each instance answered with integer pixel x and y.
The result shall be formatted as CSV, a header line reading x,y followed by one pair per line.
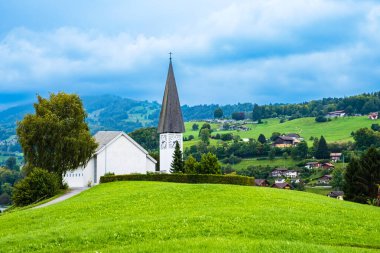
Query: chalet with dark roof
x,y
285,186
261,182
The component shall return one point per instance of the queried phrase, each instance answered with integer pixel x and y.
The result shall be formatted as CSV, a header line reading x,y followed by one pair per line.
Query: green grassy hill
x,y
167,217
337,130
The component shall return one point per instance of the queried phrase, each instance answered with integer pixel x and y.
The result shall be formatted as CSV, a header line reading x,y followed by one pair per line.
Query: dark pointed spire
x,y
171,120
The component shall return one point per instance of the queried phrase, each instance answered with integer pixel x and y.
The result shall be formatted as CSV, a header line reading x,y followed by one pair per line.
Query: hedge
x,y
182,178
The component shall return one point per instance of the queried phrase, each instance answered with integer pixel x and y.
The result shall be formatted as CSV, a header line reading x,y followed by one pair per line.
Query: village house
x,y
312,165
325,179
283,172
373,115
116,153
285,186
284,141
336,195
335,157
261,182
336,114
279,180
328,166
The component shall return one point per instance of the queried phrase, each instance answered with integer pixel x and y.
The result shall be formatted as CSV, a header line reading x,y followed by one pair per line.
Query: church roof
x,y
104,137
171,120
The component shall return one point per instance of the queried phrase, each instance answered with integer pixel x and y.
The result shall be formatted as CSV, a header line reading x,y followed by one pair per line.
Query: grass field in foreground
x,y
336,130
167,217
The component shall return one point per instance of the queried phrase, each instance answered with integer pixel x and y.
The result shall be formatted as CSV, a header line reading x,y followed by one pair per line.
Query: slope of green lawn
x,y
277,162
170,217
337,130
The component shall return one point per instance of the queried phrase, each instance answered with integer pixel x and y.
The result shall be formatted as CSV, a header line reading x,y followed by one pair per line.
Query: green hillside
x,y
167,217
337,130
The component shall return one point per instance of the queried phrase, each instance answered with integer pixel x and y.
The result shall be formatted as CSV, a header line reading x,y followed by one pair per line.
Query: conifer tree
x,y
177,163
262,139
322,151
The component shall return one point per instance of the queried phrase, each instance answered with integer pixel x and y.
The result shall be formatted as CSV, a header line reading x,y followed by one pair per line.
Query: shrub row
x,y
183,178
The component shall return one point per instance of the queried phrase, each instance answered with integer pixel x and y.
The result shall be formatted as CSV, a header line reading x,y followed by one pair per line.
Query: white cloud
x,y
71,58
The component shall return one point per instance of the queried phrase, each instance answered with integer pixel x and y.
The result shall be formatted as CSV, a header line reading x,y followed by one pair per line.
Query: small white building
x,y
116,153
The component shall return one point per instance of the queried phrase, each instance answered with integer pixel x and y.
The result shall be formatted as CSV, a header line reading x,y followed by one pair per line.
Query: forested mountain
x,y
108,112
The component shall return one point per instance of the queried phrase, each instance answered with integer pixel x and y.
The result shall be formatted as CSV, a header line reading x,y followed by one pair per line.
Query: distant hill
x,y
108,112
171,217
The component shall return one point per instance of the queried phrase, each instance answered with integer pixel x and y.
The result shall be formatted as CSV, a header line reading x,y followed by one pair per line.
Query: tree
x,y
256,113
337,180
209,164
38,185
375,127
302,150
238,115
191,165
262,139
146,137
365,138
177,163
274,136
205,136
206,126
362,177
11,163
272,154
56,137
195,127
218,113
322,151
320,119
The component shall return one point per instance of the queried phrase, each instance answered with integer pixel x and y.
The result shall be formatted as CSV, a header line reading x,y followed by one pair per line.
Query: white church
x,y
118,153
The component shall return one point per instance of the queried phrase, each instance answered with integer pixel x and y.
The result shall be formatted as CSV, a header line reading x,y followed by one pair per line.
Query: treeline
x,y
359,104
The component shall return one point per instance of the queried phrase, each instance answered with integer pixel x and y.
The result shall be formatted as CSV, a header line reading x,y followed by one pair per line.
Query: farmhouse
x,y
336,195
336,114
261,182
328,166
335,156
282,186
116,153
284,141
312,165
325,179
279,172
373,115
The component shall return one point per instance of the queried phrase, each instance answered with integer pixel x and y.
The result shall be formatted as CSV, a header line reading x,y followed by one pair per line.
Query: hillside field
x,y
336,130
167,217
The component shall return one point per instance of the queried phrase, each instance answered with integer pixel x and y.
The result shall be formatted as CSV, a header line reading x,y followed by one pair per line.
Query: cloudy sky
x,y
224,51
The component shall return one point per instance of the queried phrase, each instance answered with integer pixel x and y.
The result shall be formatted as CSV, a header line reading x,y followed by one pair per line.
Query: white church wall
x,y
123,157
81,176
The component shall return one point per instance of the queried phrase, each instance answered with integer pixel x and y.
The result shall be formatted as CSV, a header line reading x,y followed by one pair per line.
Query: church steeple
x,y
171,120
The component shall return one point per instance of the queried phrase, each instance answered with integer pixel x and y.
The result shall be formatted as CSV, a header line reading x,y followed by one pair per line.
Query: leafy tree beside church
x,y
56,137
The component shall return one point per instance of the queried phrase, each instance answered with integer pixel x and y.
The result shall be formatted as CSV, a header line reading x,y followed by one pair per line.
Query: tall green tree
x,y
191,165
262,139
337,181
302,150
177,163
209,164
205,136
256,113
362,177
218,113
56,137
11,163
322,151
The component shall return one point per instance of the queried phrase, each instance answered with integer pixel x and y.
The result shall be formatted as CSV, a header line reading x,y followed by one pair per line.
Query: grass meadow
x,y
336,130
170,217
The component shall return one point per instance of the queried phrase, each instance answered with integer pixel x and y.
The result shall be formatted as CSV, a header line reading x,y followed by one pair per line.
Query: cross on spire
x,y
170,56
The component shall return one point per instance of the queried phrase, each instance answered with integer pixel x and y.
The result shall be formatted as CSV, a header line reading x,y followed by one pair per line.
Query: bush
x,y
183,178
38,185
5,199
321,119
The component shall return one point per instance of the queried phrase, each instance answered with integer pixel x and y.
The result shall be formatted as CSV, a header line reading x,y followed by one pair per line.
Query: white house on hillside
x,y
116,153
